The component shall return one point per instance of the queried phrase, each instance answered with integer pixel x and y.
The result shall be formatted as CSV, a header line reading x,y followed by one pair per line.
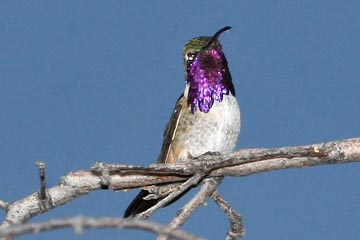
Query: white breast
x,y
215,131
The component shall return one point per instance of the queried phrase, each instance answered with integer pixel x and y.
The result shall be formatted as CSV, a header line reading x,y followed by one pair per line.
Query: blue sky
x,y
87,81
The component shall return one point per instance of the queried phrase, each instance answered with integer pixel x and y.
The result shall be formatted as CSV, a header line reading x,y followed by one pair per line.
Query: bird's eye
x,y
190,56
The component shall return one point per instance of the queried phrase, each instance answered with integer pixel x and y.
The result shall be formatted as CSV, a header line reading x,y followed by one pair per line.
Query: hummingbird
x,y
206,117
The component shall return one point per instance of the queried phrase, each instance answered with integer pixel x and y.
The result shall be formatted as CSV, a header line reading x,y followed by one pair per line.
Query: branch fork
x,y
174,179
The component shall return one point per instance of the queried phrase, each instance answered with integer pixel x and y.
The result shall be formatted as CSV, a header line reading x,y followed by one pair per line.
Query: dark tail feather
x,y
139,205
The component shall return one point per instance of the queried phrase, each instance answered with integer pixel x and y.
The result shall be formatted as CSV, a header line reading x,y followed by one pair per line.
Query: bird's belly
x,y
215,131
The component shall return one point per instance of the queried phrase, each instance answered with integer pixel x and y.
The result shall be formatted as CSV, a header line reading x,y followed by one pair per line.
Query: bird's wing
x,y
166,155
168,151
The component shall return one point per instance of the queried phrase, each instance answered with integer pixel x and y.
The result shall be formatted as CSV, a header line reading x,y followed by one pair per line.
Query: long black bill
x,y
216,35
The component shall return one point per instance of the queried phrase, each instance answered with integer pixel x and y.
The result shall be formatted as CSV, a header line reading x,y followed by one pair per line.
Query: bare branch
x,y
239,163
121,177
81,222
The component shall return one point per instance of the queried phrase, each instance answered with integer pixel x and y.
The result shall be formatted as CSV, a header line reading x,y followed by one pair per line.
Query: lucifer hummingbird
x,y
206,117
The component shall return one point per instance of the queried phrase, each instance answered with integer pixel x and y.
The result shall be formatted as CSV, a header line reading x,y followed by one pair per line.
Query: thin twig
x,y
81,222
182,188
42,192
207,188
44,202
236,224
